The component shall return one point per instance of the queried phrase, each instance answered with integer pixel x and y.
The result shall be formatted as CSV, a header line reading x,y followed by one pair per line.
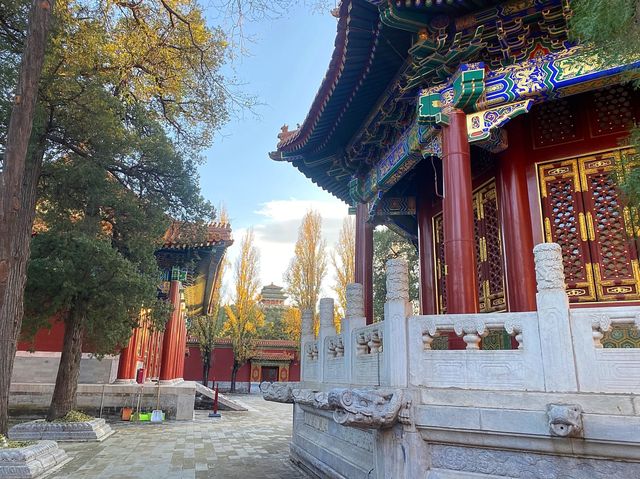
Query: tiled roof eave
x,y
350,23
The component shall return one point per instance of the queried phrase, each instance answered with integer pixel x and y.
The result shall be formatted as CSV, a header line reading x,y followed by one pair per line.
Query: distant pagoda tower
x,y
273,296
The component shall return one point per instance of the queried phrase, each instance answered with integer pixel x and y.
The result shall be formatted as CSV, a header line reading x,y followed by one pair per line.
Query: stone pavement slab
x,y
248,444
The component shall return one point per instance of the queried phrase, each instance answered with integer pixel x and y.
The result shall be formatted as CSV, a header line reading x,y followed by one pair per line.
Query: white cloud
x,y
276,233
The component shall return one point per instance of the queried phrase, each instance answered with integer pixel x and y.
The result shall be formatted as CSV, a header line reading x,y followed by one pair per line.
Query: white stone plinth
x,y
31,461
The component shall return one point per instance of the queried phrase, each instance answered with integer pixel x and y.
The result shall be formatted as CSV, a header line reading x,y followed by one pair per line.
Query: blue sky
x,y
284,68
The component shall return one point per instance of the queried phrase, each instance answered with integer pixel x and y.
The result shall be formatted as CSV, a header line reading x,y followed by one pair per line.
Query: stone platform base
x,y
31,461
90,431
176,400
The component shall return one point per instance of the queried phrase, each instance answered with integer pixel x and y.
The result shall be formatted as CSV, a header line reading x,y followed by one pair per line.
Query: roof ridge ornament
x,y
285,134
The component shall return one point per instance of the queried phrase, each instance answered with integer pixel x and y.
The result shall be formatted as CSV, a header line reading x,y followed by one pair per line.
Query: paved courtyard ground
x,y
239,445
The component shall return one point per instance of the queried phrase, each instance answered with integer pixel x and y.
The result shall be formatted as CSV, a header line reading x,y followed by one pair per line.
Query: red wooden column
x,y
459,242
182,339
364,258
133,356
170,337
516,225
124,362
425,252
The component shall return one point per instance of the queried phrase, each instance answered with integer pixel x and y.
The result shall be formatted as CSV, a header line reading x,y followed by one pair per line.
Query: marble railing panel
x,y
472,368
310,360
335,369
367,367
606,369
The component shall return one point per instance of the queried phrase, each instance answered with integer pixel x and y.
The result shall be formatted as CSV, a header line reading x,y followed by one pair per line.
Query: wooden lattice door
x,y
441,270
489,256
489,246
583,213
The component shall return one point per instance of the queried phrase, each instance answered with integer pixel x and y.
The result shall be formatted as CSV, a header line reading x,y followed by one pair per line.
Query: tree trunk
x,y
17,187
234,373
206,365
64,393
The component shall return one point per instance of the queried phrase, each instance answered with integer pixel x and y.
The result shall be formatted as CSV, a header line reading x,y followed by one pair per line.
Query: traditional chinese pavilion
x,y
272,296
189,273
190,270
476,129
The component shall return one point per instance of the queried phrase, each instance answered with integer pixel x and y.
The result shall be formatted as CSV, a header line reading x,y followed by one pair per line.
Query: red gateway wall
x,y
50,340
222,363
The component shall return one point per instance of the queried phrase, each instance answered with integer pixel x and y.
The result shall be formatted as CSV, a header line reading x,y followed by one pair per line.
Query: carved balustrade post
x,y
306,336
306,332
354,318
355,301
553,319
397,309
327,328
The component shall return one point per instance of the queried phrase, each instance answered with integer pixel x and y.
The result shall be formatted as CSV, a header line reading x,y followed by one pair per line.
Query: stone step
x,y
223,401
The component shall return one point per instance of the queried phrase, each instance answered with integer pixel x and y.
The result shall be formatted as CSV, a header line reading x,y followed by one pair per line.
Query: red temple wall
x,y
50,339
46,339
222,365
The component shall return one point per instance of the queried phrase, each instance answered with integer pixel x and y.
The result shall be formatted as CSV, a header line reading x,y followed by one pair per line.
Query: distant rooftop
x,y
272,292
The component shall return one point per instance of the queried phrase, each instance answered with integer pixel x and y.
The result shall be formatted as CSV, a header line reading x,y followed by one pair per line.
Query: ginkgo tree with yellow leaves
x,y
309,265
244,315
343,259
131,92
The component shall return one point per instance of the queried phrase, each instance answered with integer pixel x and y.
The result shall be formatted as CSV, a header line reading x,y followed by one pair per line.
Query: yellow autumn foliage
x,y
157,54
309,264
245,315
343,259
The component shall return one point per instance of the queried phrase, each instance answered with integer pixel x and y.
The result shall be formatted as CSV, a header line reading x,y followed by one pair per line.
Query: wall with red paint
x,y
222,364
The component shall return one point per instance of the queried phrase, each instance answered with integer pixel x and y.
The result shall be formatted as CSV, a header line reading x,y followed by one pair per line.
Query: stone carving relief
x,y
601,323
549,267
309,397
369,341
311,351
277,391
565,420
525,465
326,312
397,279
471,330
335,347
514,328
307,323
355,301
366,408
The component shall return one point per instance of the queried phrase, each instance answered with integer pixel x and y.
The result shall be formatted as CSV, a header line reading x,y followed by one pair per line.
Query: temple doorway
x,y
269,373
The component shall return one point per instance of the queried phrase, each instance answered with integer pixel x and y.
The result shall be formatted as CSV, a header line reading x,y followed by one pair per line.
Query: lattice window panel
x,y
489,256
564,223
441,293
614,255
477,232
491,261
612,110
583,213
554,123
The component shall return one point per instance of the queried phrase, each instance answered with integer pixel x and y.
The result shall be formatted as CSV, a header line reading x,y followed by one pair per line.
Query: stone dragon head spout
x,y
565,420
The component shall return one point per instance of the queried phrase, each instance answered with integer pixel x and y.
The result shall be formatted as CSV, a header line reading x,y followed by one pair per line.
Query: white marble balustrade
x,y
473,368
605,369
